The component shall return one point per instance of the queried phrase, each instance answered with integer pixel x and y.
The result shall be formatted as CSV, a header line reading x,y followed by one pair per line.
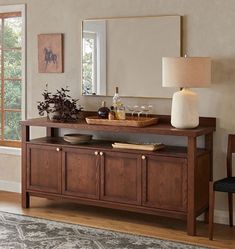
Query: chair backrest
x,y
230,151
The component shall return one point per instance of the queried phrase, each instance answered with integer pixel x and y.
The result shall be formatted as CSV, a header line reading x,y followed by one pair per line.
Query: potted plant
x,y
60,106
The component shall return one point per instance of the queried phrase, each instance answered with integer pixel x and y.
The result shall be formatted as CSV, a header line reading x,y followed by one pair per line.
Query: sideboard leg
x,y
51,132
206,217
191,225
192,162
209,147
25,200
25,138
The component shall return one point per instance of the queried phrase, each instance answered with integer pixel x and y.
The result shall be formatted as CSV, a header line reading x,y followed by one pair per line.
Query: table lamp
x,y
185,72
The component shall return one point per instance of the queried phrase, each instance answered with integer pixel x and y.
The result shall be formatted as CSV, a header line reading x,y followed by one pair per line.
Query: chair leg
x,y
230,206
206,217
211,209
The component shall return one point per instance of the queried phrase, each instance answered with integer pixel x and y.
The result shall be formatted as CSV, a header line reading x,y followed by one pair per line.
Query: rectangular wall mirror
x,y
127,52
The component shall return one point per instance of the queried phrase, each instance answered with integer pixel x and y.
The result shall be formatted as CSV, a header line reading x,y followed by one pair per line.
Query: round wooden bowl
x,y
77,138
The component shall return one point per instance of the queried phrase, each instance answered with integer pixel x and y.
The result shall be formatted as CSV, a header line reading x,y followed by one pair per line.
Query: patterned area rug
x,y
24,232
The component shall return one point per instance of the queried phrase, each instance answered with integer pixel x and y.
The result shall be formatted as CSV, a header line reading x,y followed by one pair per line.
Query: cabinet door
x,y
121,177
165,183
80,173
44,168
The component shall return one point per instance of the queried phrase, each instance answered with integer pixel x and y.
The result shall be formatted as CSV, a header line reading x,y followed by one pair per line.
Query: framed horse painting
x,y
50,53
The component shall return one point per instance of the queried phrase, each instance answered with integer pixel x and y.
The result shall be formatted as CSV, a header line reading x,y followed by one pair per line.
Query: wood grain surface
x,y
147,225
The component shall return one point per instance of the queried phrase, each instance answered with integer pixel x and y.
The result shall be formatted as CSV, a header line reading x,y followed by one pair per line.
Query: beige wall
x,y
10,168
135,47
208,28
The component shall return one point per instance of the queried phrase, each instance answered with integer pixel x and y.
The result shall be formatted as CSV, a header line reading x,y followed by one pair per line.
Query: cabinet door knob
x,y
57,149
143,157
96,153
101,153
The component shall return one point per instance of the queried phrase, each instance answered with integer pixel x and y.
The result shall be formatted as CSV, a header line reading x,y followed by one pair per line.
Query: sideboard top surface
x,y
206,126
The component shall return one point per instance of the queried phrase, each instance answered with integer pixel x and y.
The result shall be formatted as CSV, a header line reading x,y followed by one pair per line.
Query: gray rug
x,y
21,232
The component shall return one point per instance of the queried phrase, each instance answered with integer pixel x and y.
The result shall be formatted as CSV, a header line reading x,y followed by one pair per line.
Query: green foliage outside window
x,y
11,51
87,66
12,128
12,64
12,95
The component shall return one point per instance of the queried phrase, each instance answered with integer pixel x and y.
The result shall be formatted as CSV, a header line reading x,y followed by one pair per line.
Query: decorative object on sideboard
x,y
146,109
143,109
111,113
129,121
185,72
139,146
121,112
118,106
59,106
50,53
103,111
77,138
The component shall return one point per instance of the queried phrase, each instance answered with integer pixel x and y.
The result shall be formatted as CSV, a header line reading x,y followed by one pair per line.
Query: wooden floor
x,y
170,229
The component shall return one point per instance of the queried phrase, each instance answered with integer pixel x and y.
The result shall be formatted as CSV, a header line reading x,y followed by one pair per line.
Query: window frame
x,y
10,11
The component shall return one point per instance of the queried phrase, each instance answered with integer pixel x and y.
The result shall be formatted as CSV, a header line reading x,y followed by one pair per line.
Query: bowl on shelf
x,y
77,138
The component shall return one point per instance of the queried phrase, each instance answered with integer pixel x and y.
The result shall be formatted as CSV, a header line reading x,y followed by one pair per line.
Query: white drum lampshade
x,y
185,72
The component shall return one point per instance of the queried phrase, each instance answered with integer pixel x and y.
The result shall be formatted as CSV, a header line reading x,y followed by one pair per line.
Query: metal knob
x,y
101,153
57,149
143,157
96,153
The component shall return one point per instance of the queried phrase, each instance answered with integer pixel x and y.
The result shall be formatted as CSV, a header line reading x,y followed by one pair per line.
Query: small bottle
x,y
121,113
111,113
103,112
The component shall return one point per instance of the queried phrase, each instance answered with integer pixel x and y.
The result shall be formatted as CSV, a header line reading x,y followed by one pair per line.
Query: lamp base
x,y
184,112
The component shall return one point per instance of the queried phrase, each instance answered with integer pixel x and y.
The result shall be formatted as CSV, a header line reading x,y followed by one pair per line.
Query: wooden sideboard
x,y
172,182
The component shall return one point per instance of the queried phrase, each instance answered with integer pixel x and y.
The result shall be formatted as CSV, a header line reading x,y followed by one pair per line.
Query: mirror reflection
x,y
127,53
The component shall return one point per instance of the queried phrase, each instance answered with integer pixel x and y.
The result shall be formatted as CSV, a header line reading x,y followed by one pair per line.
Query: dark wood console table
x,y
172,182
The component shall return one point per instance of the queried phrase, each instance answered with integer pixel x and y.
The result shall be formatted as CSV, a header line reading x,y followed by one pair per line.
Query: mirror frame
x,y
127,17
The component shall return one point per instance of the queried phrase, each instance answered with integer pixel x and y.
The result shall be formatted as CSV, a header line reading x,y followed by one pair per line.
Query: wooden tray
x,y
134,122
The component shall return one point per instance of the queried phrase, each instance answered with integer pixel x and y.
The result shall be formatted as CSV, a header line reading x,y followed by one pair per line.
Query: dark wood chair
x,y
224,185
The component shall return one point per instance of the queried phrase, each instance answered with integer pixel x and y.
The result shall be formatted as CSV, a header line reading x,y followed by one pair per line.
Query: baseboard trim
x,y
222,216
10,186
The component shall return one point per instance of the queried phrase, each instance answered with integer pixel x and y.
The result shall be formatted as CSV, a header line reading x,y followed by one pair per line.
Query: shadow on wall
x,y
223,71
220,147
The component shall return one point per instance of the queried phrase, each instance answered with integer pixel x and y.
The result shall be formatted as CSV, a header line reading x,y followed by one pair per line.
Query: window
x,y
94,58
89,63
11,76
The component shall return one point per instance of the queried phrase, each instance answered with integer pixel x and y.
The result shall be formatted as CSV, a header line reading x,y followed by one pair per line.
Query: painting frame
x,y
50,53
